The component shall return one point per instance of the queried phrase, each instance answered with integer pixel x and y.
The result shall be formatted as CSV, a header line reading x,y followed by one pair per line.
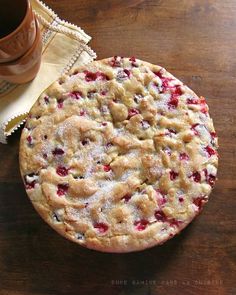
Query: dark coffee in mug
x,y
12,13
20,41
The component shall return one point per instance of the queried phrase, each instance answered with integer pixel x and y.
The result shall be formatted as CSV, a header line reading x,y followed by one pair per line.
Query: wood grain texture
x,y
196,41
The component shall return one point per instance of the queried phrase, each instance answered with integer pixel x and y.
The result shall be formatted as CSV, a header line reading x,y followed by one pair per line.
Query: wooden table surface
x,y
196,41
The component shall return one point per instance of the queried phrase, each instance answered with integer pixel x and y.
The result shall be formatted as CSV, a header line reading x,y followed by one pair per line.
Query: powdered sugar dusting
x,y
105,190
162,103
126,175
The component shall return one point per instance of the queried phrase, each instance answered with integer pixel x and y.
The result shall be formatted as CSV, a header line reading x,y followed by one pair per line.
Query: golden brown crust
x,y
119,155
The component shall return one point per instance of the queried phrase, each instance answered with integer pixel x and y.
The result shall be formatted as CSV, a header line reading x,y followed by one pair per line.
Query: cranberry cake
x,y
119,155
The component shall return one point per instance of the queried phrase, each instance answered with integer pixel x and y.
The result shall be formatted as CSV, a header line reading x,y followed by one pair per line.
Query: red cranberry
x,y
57,152
173,175
192,101
60,103
132,112
160,216
106,168
123,74
104,123
181,199
204,109
165,81
30,184
172,131
141,224
46,99
177,90
173,102
62,171
82,113
174,222
210,151
127,197
104,92
202,100
109,144
210,179
161,198
29,139
203,105
76,94
133,61
159,74
199,201
196,176
183,156
101,227
62,189
213,135
127,72
193,128
85,141
115,61
165,84
89,76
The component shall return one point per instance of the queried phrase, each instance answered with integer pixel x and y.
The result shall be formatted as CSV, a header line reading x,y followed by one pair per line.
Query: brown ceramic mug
x,y
25,68
17,29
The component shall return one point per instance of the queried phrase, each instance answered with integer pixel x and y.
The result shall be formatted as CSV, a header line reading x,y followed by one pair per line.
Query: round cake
x,y
118,155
